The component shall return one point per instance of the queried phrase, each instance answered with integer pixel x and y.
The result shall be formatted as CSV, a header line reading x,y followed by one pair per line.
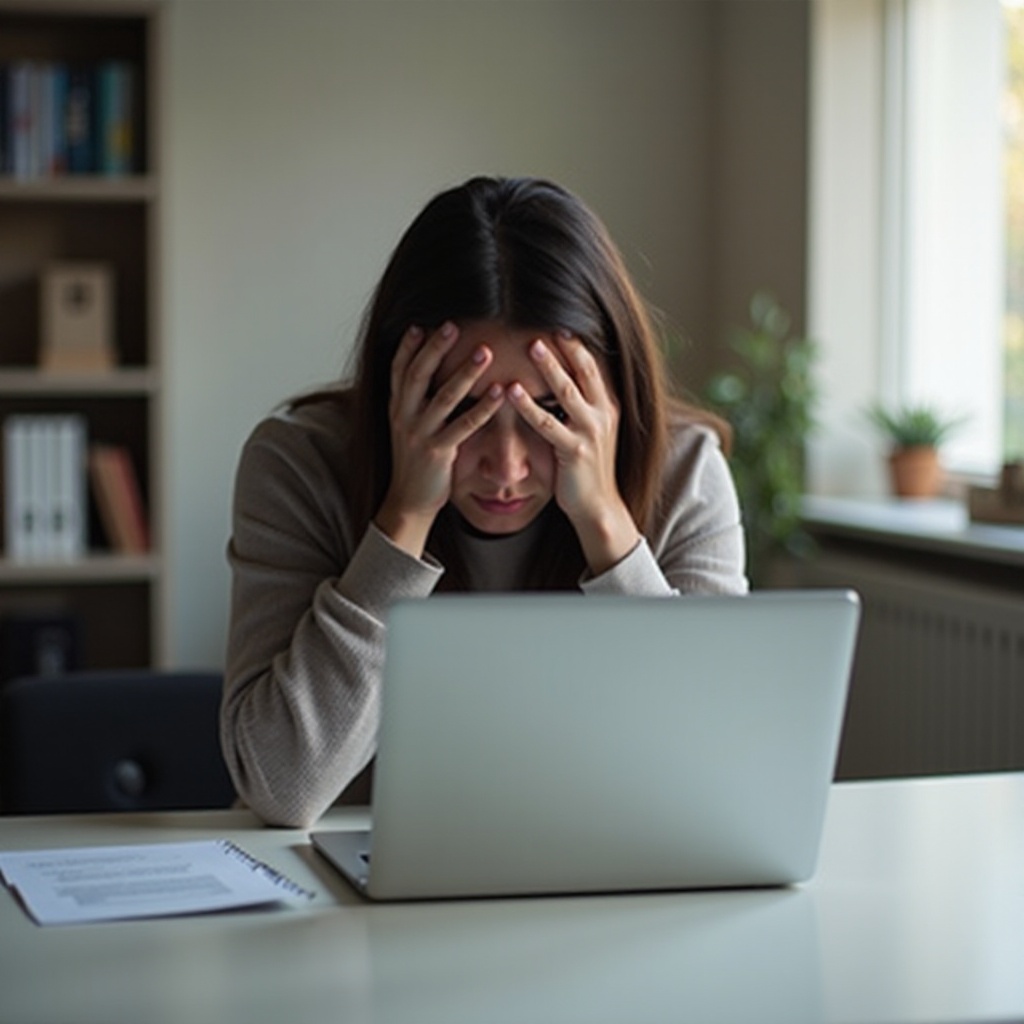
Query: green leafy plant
x,y
769,399
914,425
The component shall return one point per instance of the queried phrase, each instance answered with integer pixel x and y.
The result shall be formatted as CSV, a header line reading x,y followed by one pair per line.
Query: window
x,y
1013,159
915,271
944,218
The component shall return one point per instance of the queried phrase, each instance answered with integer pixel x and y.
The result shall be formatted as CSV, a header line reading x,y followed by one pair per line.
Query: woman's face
x,y
504,475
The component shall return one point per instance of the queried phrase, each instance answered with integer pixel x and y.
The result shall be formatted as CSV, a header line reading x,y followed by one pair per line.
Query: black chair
x,y
112,741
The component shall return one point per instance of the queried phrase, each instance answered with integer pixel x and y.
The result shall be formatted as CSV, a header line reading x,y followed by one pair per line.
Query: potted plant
x,y
915,432
768,398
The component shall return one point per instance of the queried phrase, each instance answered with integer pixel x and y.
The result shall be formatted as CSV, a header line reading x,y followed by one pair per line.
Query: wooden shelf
x,y
99,567
116,601
29,381
79,189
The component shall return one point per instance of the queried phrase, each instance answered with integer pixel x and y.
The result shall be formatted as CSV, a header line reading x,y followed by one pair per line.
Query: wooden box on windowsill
x,y
1002,504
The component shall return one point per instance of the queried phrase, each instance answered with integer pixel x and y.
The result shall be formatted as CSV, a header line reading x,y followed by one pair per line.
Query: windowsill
x,y
939,526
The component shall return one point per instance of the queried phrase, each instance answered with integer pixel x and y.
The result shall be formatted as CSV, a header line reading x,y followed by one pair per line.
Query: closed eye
x,y
549,405
461,409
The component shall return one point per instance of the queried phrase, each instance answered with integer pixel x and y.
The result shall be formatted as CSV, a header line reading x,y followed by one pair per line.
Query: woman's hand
x,y
583,438
425,436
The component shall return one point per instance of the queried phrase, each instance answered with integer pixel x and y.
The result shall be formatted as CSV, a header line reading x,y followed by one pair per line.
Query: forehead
x,y
510,347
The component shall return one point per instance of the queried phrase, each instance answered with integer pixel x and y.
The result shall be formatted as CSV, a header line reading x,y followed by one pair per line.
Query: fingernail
x,y
537,349
448,330
479,355
495,390
516,391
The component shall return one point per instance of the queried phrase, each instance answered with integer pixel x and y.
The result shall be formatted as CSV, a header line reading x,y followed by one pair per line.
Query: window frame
x,y
878,223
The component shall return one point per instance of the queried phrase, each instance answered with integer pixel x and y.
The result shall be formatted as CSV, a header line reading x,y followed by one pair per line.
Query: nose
x,y
505,457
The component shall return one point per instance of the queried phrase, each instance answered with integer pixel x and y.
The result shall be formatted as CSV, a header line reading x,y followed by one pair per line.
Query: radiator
x,y
938,680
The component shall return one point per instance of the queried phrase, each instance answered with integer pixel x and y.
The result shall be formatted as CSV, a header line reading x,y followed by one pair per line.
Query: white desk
x,y
916,914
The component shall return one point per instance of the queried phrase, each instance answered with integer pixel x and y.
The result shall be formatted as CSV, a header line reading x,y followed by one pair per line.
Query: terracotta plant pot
x,y
915,471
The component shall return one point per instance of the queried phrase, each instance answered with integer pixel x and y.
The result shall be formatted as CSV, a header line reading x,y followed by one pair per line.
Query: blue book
x,y
116,118
80,120
20,111
58,120
5,141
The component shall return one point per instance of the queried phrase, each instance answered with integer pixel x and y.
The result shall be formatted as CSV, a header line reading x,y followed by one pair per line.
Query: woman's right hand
x,y
425,436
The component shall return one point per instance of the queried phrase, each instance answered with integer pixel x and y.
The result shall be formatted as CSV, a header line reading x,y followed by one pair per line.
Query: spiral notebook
x,y
114,883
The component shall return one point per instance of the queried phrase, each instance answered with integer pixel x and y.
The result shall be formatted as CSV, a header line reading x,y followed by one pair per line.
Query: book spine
x,y
39,432
79,120
17,513
69,495
127,142
44,482
118,498
58,120
20,106
115,117
36,120
42,117
5,119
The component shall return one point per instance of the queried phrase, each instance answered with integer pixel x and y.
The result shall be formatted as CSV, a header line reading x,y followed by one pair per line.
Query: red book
x,y
119,498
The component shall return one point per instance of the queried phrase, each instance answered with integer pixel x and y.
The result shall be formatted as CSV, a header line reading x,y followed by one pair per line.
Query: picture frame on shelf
x,y
76,318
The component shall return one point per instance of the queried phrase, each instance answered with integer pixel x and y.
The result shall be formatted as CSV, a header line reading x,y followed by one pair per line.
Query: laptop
x,y
556,743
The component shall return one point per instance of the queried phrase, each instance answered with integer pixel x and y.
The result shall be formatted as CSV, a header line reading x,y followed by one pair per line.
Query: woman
x,y
507,427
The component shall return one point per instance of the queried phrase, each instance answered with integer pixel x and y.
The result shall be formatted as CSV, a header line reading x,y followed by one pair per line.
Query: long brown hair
x,y
529,254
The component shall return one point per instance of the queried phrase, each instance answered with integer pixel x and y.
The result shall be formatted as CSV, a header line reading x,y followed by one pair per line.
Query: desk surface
x,y
916,914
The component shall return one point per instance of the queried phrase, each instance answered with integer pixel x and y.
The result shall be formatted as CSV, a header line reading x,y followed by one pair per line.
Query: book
x,y
5,118
18,518
67,500
118,498
57,100
43,100
68,118
115,118
44,487
20,124
111,883
79,119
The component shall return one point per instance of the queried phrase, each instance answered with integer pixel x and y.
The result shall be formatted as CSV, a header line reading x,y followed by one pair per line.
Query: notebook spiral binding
x,y
279,879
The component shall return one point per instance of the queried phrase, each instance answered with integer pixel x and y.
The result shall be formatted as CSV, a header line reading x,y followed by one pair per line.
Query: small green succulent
x,y
914,425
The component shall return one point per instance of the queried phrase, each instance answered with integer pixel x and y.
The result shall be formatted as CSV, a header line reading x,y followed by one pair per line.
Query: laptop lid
x,y
557,743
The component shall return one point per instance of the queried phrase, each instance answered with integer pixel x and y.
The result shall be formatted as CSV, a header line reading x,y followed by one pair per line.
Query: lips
x,y
501,506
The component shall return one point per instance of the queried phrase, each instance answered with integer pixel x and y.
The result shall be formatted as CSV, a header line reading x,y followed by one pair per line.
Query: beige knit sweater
x,y
306,638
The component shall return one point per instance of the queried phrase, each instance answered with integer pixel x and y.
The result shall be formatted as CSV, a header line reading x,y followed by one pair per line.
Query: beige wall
x,y
300,136
757,189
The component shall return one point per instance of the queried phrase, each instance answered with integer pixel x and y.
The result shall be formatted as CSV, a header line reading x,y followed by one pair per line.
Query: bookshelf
x,y
105,215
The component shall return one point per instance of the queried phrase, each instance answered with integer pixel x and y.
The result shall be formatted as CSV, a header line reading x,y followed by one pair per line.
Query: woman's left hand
x,y
583,439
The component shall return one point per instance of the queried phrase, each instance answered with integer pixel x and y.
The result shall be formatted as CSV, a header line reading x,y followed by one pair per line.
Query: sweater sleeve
x,y
695,544
306,635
